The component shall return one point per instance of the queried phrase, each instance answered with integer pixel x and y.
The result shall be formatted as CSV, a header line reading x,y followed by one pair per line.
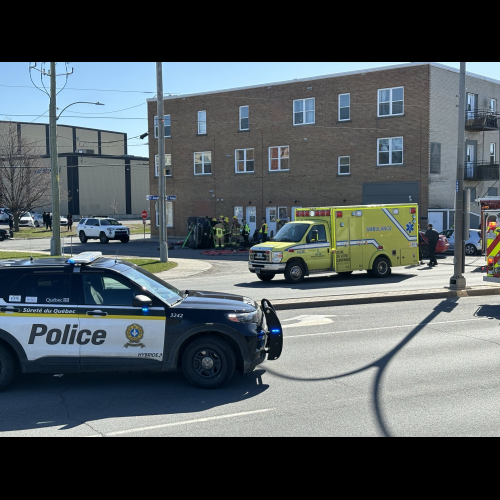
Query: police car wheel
x,y
7,367
103,238
381,268
266,277
208,362
82,237
294,272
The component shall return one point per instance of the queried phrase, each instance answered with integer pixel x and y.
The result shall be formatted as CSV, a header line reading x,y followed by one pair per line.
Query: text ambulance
x,y
341,239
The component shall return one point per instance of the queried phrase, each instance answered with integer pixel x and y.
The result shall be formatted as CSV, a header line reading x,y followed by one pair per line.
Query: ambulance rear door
x,y
341,242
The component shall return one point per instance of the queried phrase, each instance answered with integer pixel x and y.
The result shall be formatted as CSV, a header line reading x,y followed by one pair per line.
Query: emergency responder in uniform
x,y
227,230
245,231
235,232
263,230
432,237
219,234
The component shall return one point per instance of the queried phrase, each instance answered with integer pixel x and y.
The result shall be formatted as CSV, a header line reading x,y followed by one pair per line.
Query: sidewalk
x,y
185,268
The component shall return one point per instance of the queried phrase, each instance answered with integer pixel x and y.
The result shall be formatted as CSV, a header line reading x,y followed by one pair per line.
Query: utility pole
x,y
161,161
457,281
55,242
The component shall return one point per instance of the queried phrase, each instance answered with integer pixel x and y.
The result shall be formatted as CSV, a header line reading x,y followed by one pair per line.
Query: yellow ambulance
x,y
371,238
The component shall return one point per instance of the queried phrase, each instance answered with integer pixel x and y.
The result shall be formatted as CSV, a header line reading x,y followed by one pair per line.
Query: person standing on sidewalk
x,y
245,231
264,229
432,237
44,219
70,222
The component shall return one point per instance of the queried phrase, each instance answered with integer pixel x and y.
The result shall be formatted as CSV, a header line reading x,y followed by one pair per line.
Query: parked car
x,y
5,234
472,244
4,215
442,245
27,220
38,218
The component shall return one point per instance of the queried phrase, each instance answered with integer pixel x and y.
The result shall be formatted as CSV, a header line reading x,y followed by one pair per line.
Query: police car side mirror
x,y
141,301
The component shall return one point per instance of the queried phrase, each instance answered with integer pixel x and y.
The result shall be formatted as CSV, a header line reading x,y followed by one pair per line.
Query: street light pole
x,y
161,163
55,242
457,281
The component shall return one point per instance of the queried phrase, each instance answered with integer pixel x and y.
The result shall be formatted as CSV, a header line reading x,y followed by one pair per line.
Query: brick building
x,y
350,138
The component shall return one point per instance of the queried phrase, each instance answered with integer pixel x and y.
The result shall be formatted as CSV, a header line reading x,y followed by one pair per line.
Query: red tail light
x,y
413,210
490,261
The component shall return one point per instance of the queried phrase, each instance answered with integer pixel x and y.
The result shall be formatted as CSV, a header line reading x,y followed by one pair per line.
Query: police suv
x,y
94,314
102,229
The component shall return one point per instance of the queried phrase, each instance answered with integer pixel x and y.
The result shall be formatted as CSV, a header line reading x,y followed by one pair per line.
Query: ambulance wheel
x,y
7,367
82,237
424,251
103,238
294,272
208,362
470,249
381,268
266,277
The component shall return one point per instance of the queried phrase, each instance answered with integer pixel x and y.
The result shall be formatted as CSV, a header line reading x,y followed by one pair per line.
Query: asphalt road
x,y
427,368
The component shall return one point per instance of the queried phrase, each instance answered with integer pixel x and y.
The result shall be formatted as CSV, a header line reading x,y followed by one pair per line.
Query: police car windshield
x,y
109,222
291,233
165,292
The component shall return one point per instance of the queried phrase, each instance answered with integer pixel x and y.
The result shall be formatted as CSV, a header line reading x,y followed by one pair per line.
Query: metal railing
x,y
481,119
481,171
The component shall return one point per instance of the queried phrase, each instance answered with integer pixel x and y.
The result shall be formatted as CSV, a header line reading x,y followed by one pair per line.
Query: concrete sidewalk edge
x,y
373,298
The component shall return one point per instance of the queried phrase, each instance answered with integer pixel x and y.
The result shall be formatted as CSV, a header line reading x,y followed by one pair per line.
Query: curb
x,y
373,298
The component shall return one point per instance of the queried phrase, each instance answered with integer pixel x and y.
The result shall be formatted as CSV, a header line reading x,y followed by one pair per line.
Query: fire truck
x,y
490,235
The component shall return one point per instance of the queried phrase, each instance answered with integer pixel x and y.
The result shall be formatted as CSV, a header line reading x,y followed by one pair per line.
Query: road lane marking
x,y
380,328
310,320
184,422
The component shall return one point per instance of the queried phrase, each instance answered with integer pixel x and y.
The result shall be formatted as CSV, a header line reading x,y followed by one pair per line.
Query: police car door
x,y
41,312
130,338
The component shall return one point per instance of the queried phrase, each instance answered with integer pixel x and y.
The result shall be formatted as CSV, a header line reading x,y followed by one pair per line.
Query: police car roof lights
x,y
85,258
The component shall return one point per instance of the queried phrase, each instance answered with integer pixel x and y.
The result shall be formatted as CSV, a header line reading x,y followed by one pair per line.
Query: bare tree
x,y
24,180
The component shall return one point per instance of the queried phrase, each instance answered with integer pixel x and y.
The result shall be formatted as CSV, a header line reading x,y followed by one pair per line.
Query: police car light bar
x,y
85,258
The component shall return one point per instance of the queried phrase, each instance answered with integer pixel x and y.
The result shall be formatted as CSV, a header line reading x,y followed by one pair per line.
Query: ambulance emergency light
x,y
85,258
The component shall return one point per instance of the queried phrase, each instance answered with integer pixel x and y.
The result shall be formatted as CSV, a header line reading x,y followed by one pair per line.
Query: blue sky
x,y
136,82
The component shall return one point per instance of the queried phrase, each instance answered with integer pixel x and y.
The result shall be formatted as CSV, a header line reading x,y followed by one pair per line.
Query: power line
x,y
108,112
93,90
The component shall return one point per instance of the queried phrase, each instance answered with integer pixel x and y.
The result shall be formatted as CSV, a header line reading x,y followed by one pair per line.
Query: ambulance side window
x,y
48,289
321,234
15,292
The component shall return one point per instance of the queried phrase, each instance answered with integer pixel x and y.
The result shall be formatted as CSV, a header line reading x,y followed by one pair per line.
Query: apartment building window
x,y
493,106
244,160
344,107
244,114
202,122
303,111
493,152
203,163
344,165
166,120
278,158
390,101
390,151
168,165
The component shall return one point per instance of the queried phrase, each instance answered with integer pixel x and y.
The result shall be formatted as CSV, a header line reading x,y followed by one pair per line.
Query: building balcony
x,y
481,171
481,119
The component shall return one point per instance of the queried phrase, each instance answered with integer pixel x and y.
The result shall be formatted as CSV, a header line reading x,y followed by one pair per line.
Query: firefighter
x,y
245,231
263,230
219,234
235,232
227,230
